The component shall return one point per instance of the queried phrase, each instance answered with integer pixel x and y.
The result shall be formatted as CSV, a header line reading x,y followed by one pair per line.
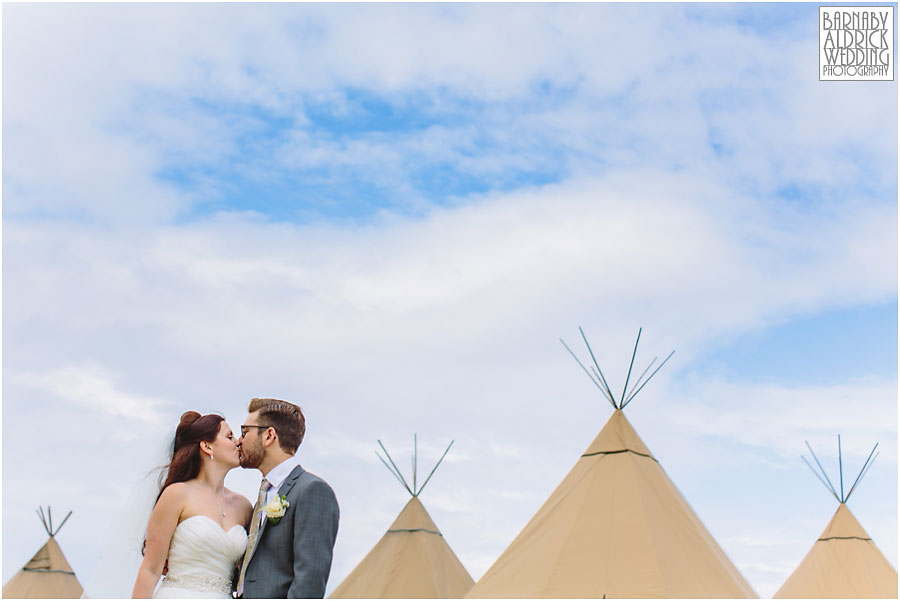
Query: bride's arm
x,y
163,521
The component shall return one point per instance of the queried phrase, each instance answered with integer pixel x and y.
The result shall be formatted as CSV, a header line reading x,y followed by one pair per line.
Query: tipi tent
x,y
615,527
844,562
47,575
412,559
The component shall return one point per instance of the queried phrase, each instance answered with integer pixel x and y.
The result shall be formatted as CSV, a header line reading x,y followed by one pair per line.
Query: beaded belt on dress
x,y
196,582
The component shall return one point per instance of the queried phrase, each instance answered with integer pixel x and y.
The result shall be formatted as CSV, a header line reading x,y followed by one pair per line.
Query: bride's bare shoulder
x,y
236,497
177,491
239,500
173,499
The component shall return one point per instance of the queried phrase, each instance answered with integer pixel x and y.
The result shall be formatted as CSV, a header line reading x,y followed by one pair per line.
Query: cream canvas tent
x,y
615,527
412,559
844,562
48,574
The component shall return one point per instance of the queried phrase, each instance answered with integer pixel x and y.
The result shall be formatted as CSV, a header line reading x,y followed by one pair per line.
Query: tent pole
x,y
40,514
628,377
395,467
436,466
634,394
597,384
590,350
638,381
399,479
841,470
833,491
599,375
855,482
862,477
44,519
827,487
608,391
63,522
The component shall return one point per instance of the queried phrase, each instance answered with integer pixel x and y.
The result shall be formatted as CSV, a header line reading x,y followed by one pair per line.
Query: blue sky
x,y
391,214
827,348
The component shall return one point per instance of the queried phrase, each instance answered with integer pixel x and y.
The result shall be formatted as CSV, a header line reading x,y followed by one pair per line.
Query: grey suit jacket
x,y
292,558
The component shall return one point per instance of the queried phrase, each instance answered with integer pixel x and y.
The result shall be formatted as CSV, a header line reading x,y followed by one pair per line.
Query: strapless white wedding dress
x,y
202,559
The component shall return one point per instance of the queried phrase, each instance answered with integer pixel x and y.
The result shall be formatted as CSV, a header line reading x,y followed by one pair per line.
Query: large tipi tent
x,y
615,527
844,562
412,559
48,574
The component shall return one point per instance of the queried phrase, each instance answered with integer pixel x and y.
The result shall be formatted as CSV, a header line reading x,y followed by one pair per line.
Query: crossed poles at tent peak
x,y
600,381
415,490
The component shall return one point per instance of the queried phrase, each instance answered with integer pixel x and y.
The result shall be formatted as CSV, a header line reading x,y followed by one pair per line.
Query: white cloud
x,y
148,107
610,246
865,409
92,387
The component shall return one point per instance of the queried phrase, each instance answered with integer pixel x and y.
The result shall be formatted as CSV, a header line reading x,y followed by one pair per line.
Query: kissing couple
x,y
210,542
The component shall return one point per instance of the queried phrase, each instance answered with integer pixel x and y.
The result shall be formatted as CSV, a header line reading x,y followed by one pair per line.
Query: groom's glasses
x,y
245,428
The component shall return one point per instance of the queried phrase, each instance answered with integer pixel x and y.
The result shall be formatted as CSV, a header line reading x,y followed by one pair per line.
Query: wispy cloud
x,y
249,107
91,387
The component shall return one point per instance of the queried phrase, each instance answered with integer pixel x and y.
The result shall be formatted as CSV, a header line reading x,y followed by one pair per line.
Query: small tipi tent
x,y
844,562
412,559
47,575
615,527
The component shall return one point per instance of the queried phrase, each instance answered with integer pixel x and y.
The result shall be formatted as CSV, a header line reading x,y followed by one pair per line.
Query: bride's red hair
x,y
192,430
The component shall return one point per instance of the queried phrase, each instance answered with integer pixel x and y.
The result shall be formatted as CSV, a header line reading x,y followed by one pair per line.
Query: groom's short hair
x,y
285,417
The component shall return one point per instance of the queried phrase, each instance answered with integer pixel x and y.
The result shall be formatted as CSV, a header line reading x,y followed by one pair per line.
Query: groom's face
x,y
252,449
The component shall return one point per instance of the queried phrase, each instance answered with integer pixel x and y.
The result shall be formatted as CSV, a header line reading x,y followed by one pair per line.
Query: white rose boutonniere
x,y
275,509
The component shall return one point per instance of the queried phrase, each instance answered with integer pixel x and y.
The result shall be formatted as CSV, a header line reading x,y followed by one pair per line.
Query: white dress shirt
x,y
278,474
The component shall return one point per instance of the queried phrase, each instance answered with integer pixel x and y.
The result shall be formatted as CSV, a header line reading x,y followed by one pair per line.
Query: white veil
x,y
116,570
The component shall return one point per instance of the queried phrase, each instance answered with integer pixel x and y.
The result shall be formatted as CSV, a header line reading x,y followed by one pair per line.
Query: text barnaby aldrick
x,y
856,43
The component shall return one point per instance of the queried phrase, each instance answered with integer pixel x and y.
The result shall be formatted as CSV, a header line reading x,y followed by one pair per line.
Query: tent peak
x,y
838,492
599,379
47,521
415,490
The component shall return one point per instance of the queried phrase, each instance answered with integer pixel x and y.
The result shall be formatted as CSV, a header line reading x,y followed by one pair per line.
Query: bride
x,y
198,527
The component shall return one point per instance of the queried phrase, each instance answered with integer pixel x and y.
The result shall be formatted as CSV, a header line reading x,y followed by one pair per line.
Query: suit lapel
x,y
282,491
289,482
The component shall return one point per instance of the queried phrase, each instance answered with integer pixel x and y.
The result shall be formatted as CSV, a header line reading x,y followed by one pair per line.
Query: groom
x,y
288,555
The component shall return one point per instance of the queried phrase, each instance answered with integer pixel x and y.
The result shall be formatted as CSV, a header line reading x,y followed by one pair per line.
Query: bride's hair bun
x,y
183,433
188,418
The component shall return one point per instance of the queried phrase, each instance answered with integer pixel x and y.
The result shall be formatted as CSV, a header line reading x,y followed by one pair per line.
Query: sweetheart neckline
x,y
200,515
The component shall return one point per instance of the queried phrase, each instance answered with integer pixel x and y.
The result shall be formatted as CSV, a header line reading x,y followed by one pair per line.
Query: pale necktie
x,y
264,487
